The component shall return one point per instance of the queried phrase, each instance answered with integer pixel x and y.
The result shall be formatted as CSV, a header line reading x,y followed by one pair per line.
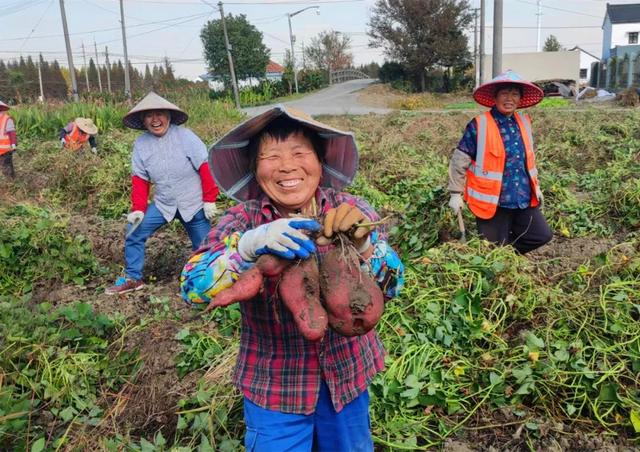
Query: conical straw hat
x,y
229,157
3,106
87,126
531,94
152,101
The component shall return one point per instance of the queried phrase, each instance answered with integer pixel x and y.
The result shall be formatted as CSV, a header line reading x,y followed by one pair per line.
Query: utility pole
x,y
106,62
497,37
40,79
98,65
293,55
481,50
292,39
475,47
234,82
127,80
72,71
86,69
539,21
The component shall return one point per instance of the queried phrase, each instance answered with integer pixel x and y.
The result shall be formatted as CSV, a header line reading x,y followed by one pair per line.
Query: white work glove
x,y
135,217
210,210
94,150
283,238
540,196
456,202
62,142
13,147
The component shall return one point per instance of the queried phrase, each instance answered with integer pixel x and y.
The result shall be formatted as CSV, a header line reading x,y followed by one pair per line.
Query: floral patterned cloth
x,y
516,188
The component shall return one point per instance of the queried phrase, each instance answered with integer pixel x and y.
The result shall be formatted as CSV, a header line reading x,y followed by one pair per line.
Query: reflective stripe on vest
x,y
5,141
484,175
76,138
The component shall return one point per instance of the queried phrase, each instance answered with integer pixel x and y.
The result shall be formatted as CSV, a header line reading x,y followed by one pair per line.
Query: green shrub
x,y
37,248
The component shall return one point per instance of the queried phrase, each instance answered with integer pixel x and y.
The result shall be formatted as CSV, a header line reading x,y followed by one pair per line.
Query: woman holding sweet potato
x,y
304,384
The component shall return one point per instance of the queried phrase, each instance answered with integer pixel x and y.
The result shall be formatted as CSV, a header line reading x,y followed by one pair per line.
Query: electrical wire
x,y
560,9
36,25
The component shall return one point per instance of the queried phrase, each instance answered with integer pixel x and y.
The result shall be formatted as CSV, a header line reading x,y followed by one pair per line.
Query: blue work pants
x,y
323,431
134,245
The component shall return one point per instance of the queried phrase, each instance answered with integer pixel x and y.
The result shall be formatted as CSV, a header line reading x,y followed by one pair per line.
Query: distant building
x,y
273,72
620,63
538,66
586,60
620,30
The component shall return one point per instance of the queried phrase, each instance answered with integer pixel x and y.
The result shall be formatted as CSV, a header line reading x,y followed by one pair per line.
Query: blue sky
x,y
159,28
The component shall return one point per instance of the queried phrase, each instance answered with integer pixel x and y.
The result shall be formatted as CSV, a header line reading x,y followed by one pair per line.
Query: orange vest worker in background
x,y
75,134
494,167
8,141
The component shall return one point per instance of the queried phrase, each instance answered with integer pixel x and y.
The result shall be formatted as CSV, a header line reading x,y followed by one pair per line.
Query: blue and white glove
x,y
283,238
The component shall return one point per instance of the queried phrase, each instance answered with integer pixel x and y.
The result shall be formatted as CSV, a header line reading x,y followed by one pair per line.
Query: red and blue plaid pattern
x,y
277,368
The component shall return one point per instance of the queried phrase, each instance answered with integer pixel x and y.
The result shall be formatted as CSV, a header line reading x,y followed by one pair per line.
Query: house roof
x,y
584,51
273,67
624,14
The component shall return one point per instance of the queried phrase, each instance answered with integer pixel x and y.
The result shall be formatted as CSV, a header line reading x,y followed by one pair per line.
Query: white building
x,y
586,59
620,28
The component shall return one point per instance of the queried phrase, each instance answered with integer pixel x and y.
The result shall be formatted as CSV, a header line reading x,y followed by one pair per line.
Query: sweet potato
x,y
353,300
300,292
249,283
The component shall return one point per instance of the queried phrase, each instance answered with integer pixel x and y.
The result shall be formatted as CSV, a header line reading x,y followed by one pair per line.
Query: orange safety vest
x,y
484,175
75,139
5,141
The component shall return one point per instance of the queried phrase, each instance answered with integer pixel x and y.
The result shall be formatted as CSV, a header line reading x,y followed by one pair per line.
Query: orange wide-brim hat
x,y
486,94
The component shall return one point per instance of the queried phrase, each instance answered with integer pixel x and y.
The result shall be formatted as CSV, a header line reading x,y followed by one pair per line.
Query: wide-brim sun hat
x,y
229,158
86,125
3,106
152,101
531,94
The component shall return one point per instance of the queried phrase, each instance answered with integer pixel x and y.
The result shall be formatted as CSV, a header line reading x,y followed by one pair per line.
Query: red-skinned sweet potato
x,y
300,292
353,300
249,284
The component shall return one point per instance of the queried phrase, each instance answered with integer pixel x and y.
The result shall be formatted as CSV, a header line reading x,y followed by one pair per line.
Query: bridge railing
x,y
343,75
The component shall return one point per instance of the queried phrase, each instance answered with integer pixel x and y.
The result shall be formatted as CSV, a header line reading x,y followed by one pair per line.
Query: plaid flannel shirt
x,y
277,368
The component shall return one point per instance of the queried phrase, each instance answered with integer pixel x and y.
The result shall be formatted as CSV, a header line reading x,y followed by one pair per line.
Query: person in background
x,y
287,171
78,132
494,169
174,159
8,142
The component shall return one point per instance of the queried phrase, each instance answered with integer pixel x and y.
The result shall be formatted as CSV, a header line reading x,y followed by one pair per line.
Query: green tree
x,y
250,55
421,34
551,44
329,51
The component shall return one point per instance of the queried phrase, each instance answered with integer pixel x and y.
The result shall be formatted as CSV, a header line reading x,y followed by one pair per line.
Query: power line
x,y
99,30
37,24
560,9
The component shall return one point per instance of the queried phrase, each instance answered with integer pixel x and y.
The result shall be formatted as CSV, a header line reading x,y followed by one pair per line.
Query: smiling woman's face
x,y
288,171
507,100
157,121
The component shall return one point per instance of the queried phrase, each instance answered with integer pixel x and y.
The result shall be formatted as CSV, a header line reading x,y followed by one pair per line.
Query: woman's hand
x,y
346,219
283,237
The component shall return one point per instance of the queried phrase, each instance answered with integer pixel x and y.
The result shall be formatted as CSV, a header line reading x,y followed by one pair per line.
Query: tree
x,y
250,55
329,51
421,34
551,44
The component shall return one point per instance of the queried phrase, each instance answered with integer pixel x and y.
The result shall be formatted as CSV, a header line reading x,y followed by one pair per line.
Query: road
x,y
340,99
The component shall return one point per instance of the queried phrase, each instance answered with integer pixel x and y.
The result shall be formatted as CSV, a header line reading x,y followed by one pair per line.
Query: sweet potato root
x,y
353,300
300,292
249,283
